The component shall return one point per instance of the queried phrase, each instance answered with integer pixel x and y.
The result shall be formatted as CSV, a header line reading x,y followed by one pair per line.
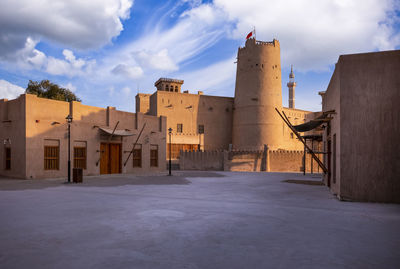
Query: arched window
x,y
167,88
176,88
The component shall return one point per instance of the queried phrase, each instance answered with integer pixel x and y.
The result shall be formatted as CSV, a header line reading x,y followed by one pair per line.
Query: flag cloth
x,y
250,35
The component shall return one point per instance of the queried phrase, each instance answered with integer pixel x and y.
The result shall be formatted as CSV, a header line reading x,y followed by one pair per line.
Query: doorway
x,y
329,163
110,158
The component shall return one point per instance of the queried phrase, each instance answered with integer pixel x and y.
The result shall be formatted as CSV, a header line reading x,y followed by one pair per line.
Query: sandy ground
x,y
192,220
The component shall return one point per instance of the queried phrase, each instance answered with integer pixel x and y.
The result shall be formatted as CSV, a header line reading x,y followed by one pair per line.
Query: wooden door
x,y
104,158
329,163
115,158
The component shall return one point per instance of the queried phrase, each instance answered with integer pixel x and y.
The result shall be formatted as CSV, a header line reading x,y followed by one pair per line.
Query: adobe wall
x,y
331,101
296,117
191,110
12,134
201,160
248,161
290,161
245,161
142,103
45,120
44,123
370,126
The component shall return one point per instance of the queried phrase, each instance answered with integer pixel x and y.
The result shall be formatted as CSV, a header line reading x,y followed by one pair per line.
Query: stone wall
x,y
248,161
201,160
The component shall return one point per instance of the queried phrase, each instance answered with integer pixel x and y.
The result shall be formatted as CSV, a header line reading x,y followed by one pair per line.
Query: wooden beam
x,y
286,120
134,145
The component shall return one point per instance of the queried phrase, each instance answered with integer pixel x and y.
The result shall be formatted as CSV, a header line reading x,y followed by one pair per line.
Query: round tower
x,y
258,92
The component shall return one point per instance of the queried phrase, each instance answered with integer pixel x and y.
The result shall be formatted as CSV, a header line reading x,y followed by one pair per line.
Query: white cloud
x,y
69,86
111,91
164,49
126,91
313,33
9,90
74,23
129,72
71,66
155,60
218,76
29,57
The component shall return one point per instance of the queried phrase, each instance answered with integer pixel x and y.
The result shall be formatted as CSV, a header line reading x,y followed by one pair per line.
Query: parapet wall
x,y
201,160
248,161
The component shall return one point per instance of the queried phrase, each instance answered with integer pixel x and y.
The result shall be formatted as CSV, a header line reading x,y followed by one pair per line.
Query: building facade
x,y
246,122
362,138
34,133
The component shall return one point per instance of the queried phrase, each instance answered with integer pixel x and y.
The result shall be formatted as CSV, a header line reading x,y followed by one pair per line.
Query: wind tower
x,y
258,92
291,85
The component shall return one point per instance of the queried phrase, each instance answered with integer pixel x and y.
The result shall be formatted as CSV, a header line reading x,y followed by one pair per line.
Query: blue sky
x,y
108,50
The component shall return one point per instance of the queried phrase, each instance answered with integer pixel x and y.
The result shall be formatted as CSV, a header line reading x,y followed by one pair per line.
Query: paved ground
x,y
192,220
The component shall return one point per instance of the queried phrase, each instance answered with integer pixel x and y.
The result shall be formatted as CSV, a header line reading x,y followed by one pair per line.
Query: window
x,y
137,156
167,88
176,88
8,158
80,157
154,155
201,129
51,157
179,128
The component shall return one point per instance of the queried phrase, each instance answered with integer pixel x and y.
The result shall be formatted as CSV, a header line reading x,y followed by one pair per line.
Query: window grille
x,y
137,156
51,158
154,155
80,157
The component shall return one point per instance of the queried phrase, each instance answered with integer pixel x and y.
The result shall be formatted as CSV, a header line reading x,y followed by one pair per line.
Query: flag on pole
x,y
250,35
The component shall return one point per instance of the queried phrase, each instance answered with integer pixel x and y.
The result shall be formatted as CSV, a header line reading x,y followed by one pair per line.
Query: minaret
x,y
291,85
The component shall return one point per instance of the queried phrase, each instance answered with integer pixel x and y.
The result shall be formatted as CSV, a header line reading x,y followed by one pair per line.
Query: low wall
x,y
201,160
270,161
244,161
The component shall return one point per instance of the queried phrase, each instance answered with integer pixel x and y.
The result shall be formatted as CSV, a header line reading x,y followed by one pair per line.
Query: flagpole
x,y
255,37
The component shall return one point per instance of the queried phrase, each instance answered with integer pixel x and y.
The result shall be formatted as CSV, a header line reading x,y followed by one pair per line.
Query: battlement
x,y
253,41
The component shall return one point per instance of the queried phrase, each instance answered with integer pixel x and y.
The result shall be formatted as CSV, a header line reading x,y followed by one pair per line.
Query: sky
x,y
106,51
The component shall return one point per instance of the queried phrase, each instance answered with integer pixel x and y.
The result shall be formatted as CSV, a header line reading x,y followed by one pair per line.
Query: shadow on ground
x,y
177,178
304,182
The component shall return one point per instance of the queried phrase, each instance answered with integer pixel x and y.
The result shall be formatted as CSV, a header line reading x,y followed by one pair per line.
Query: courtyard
x,y
192,220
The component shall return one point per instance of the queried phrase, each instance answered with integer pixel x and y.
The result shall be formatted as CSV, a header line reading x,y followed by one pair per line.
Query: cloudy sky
x,y
108,50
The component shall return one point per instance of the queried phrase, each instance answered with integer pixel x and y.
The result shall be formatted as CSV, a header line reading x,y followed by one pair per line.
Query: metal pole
x,y
312,147
170,146
69,152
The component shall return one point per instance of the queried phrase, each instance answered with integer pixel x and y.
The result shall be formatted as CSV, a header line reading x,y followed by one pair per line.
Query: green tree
x,y
47,89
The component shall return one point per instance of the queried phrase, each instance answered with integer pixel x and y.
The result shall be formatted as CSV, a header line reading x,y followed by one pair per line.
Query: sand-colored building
x,y
34,133
246,122
362,138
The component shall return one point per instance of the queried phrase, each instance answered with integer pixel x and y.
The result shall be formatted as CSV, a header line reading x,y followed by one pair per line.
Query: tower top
x,y
291,75
168,84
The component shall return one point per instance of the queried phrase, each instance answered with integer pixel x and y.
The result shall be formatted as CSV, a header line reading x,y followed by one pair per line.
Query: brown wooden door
x,y
104,158
115,158
110,158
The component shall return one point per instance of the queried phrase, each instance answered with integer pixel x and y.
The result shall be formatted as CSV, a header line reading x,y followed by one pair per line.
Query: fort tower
x,y
258,91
